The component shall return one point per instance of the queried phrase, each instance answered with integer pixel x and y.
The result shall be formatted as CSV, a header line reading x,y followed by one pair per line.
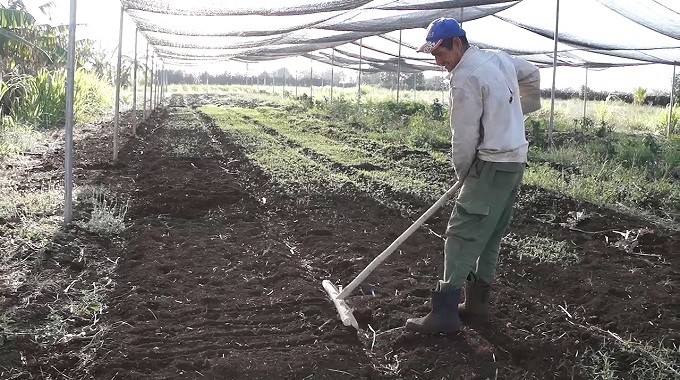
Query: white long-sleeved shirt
x,y
490,93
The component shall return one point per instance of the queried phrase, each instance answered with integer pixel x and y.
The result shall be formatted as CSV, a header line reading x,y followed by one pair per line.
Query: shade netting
x,y
382,35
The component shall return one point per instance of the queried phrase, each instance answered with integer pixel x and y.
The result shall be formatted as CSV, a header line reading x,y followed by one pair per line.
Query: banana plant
x,y
27,45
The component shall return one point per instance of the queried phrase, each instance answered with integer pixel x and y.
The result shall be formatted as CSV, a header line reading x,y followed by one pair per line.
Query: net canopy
x,y
383,35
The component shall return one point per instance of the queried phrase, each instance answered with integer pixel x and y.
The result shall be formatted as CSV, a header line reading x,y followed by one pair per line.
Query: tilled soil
x,y
220,276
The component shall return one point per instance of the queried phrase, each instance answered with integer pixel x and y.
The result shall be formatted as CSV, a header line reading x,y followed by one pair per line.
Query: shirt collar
x,y
470,50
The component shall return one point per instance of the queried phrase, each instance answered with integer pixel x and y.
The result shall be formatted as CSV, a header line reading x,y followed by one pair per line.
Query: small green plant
x,y
639,95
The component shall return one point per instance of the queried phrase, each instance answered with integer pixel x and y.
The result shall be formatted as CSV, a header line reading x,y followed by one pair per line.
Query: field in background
x,y
568,113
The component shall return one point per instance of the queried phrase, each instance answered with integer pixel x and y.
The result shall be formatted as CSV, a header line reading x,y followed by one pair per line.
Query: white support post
x,y
146,80
161,80
361,57
134,88
164,85
441,86
296,83
70,90
117,105
399,68
152,93
311,80
332,72
161,96
283,92
585,98
414,86
160,83
670,106
551,126
155,86
159,75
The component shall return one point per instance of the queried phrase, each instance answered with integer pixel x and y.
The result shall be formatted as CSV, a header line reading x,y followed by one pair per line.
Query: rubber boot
x,y
443,318
475,308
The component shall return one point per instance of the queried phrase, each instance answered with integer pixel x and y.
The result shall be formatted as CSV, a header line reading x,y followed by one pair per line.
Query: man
x,y
490,93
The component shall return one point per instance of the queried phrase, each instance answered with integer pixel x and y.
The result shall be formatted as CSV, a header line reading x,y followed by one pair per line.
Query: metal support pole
x,y
151,89
117,105
146,80
273,80
311,80
551,126
283,92
672,101
155,83
441,86
154,78
161,72
414,86
134,88
296,83
361,57
161,83
332,72
399,67
70,90
585,97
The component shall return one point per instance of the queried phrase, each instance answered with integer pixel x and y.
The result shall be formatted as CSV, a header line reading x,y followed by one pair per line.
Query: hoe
x,y
338,295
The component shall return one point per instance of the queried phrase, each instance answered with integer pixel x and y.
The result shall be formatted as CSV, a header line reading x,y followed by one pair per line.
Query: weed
x,y
542,249
631,359
107,218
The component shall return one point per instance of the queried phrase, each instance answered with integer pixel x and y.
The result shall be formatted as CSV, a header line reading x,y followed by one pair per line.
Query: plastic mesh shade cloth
x,y
372,20
211,42
662,18
592,33
288,7
264,43
599,29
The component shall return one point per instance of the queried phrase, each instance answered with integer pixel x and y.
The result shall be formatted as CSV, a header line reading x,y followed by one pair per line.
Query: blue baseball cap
x,y
438,30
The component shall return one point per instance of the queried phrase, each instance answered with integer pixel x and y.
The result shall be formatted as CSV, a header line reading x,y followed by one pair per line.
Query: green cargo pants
x,y
479,221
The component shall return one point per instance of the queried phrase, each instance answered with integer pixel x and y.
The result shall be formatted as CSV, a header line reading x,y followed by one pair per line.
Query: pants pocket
x,y
467,219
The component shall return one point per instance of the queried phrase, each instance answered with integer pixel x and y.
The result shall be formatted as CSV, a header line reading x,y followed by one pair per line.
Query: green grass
x,y
286,164
340,151
616,169
31,204
631,359
541,249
